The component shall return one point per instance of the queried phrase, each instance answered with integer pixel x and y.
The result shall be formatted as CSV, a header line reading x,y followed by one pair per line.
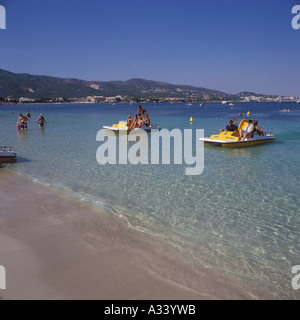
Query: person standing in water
x,y
41,120
23,121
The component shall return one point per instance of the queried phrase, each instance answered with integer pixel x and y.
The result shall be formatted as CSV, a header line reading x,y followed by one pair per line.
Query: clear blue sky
x,y
229,45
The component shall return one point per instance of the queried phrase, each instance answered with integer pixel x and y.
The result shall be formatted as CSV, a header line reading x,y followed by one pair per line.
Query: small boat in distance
x,y
230,139
6,153
224,102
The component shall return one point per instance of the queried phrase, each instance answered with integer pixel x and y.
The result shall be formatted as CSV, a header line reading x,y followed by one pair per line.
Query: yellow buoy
x,y
191,120
248,113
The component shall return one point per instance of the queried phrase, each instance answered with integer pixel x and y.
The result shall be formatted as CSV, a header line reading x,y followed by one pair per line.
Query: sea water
x,y
239,219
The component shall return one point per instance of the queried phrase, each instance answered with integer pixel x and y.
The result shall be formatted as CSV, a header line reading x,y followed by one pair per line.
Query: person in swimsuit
x,y
147,121
20,119
140,122
135,123
141,111
129,121
259,129
23,121
41,120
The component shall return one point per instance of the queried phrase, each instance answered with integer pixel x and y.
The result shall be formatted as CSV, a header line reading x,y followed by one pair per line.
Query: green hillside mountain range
x,y
19,85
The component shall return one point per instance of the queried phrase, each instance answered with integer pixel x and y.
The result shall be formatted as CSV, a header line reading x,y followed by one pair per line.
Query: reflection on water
x,y
42,130
236,152
22,134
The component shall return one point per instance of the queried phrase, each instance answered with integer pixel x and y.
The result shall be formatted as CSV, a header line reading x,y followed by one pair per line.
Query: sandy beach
x,y
53,247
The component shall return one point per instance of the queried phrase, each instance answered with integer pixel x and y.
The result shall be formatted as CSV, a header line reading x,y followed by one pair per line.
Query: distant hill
x,y
34,86
26,85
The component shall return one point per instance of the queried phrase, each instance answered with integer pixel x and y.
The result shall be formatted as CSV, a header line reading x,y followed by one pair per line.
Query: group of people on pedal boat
x,y
248,132
141,119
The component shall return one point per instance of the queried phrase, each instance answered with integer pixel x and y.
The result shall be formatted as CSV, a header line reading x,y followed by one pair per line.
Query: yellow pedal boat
x,y
122,126
230,139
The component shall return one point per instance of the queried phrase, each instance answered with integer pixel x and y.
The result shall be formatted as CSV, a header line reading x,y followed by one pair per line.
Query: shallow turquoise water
x,y
239,218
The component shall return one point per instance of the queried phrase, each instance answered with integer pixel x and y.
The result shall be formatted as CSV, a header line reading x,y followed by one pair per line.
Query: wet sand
x,y
55,247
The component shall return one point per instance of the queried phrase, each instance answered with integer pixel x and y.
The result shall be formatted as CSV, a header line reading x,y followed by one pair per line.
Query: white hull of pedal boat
x,y
246,143
125,128
7,154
